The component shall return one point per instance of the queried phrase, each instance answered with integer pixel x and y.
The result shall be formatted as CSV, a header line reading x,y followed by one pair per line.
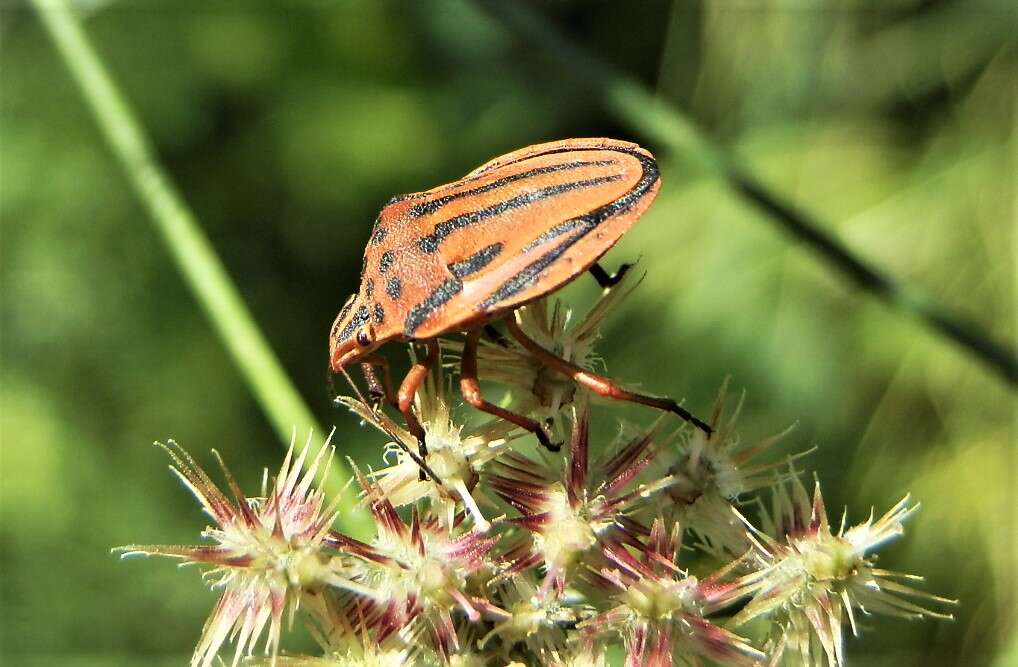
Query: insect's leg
x,y
598,383
471,390
379,388
408,389
496,336
606,280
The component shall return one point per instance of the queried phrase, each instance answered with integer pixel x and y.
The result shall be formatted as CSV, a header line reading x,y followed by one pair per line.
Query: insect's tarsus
x,y
378,388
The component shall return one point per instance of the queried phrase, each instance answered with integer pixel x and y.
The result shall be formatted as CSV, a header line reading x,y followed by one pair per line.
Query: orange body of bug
x,y
458,256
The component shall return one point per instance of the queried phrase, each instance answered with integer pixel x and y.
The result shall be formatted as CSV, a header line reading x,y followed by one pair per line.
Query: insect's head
x,y
353,335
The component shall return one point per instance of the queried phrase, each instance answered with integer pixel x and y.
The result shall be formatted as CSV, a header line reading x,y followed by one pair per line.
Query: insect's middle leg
x,y
471,390
605,279
599,384
408,389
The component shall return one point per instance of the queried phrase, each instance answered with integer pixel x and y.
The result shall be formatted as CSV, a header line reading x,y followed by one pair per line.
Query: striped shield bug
x,y
460,256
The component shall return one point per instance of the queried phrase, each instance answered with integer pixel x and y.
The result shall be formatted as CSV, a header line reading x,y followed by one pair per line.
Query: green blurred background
x,y
286,125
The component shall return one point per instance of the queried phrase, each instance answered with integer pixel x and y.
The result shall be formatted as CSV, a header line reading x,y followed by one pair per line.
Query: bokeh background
x,y
287,124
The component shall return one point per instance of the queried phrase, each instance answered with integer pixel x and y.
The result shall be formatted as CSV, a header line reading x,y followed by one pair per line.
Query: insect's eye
x,y
365,337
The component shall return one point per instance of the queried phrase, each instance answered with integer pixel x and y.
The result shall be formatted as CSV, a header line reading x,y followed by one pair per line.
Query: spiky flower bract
x,y
265,554
810,580
539,622
581,654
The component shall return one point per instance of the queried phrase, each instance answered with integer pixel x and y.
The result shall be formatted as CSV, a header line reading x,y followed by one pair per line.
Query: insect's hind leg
x,y
471,390
605,279
408,389
599,384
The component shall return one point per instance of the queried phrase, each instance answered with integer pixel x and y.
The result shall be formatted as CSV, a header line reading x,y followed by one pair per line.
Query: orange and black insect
x,y
462,255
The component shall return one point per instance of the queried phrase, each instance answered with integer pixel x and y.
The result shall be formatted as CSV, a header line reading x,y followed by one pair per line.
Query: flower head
x,y
710,476
809,580
659,609
266,553
590,506
539,622
413,577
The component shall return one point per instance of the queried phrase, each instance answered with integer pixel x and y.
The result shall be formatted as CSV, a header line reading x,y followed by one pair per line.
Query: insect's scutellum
x,y
460,256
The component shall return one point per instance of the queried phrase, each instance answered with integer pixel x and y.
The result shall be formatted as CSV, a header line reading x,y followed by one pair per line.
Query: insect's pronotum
x,y
463,255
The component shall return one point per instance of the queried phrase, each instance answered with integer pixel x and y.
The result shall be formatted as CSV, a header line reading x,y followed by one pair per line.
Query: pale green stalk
x,y
190,248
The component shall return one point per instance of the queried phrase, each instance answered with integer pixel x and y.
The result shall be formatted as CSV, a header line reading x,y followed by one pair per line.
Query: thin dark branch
x,y
628,99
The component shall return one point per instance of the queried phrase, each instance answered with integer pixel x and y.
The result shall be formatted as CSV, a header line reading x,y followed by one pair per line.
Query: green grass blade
x,y
190,249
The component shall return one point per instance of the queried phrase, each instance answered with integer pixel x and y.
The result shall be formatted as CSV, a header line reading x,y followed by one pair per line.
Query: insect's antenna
x,y
330,383
380,423
353,385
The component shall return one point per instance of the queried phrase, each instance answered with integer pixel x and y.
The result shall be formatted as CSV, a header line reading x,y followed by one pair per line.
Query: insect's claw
x,y
546,442
606,280
689,417
617,277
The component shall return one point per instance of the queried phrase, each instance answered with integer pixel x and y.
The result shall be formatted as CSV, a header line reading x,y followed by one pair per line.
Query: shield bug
x,y
460,256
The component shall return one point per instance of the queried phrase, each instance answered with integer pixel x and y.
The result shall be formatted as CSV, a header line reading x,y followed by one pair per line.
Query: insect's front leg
x,y
408,389
471,390
379,387
599,384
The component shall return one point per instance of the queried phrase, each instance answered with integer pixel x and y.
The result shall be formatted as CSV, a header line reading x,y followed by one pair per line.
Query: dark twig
x,y
668,127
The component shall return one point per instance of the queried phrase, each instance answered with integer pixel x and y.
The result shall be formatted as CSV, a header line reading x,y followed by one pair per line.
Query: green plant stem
x,y
666,126
191,250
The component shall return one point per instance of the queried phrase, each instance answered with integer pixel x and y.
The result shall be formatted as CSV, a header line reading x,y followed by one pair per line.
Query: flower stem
x,y
190,249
